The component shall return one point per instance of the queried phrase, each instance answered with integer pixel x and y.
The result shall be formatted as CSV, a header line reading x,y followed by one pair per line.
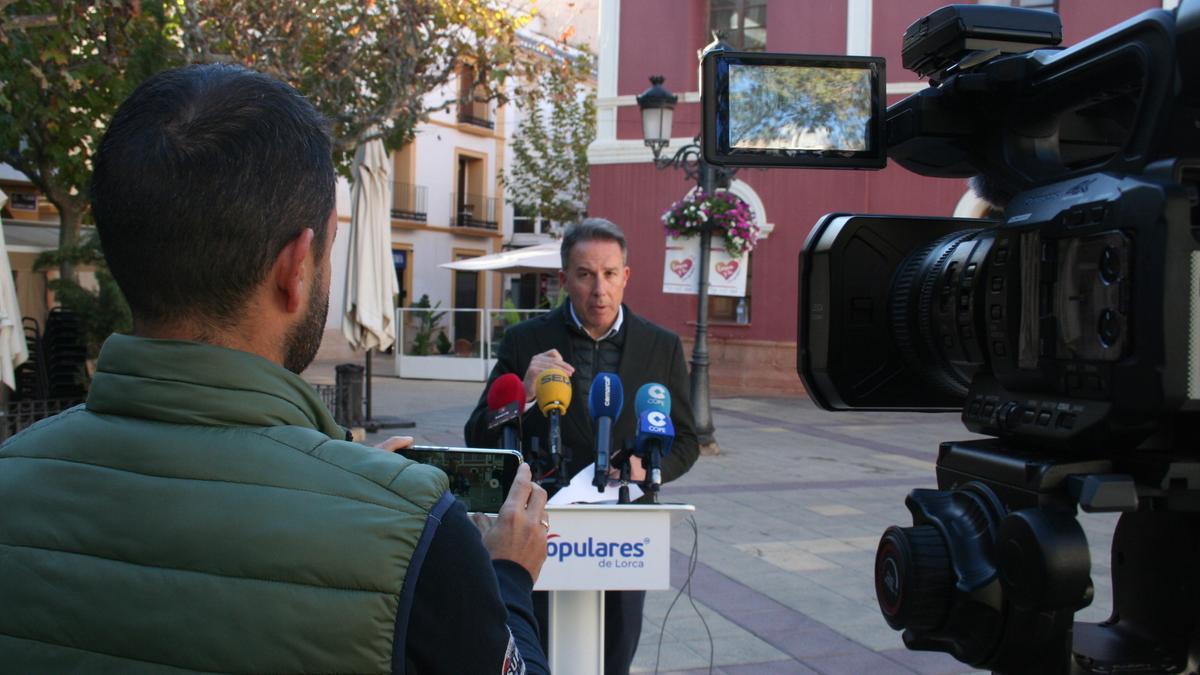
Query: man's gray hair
x,y
592,229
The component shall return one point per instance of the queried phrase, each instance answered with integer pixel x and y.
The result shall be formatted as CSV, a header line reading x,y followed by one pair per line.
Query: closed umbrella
x,y
13,350
369,319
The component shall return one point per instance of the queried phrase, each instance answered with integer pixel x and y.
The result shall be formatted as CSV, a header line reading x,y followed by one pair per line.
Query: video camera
x,y
1067,328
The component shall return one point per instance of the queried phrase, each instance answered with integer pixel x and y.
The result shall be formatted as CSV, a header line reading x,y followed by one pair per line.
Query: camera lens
x,y
933,308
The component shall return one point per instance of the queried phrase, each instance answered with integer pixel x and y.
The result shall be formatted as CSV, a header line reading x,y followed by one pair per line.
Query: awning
x,y
541,258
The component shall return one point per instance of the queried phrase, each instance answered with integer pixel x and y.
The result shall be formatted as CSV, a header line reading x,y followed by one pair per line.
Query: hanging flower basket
x,y
729,216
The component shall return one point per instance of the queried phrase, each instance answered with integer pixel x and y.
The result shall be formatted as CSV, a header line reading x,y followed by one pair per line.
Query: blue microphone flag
x,y
655,425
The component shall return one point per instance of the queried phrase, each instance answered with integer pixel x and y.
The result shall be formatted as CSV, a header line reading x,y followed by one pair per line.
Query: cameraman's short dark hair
x,y
591,229
204,175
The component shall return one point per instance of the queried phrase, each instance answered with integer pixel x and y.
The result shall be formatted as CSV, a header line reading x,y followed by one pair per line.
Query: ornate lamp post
x,y
658,106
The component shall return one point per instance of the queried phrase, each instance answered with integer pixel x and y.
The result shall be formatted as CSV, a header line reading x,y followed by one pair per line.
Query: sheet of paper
x,y
581,491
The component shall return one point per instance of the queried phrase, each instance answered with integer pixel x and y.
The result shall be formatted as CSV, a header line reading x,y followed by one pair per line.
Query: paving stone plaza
x,y
789,516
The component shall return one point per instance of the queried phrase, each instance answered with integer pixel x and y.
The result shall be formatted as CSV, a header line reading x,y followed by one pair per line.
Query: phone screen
x,y
479,477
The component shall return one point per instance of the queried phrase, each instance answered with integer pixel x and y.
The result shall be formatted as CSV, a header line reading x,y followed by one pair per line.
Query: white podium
x,y
592,548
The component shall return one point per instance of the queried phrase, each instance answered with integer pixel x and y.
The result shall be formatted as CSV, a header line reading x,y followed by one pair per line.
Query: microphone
x,y
604,406
656,432
553,398
506,403
652,394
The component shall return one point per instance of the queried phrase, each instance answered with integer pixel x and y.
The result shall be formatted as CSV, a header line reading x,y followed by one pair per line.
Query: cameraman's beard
x,y
301,344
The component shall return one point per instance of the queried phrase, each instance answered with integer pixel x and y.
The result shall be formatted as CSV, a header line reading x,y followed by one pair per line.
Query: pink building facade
x,y
639,38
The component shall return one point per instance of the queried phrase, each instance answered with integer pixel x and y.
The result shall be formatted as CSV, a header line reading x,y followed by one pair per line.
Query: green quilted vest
x,y
196,514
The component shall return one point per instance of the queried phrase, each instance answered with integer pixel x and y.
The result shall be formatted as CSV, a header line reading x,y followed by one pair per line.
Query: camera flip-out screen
x,y
793,110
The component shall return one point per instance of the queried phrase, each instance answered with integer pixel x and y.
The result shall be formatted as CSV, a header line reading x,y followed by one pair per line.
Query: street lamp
x,y
658,108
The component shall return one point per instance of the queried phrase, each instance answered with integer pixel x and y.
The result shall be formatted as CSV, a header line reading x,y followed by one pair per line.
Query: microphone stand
x,y
653,474
556,454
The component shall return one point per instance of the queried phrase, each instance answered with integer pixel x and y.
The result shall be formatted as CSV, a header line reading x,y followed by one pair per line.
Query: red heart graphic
x,y
681,267
727,269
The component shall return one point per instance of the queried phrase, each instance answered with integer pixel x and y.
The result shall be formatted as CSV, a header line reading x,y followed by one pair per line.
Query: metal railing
x,y
22,414
452,344
471,210
476,113
409,201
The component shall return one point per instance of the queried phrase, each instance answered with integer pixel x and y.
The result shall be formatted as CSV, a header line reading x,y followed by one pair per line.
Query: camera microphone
x,y
604,406
656,432
506,403
553,398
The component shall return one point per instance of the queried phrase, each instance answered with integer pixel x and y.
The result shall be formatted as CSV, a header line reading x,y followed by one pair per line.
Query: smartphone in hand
x,y
479,477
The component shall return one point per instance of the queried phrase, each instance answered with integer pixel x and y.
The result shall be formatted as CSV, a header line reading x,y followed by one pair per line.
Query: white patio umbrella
x,y
13,350
369,314
539,259
369,318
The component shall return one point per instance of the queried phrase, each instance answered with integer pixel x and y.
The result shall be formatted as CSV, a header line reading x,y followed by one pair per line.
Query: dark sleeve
x,y
470,615
685,448
475,433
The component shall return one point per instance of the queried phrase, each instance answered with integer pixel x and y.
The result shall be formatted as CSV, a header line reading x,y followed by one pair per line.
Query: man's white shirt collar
x,y
611,331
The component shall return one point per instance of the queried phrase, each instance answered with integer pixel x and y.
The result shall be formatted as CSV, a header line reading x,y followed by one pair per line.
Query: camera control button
x,y
997,284
1066,421
1043,418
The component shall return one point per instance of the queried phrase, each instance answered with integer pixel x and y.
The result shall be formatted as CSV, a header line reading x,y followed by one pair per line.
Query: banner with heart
x,y
681,269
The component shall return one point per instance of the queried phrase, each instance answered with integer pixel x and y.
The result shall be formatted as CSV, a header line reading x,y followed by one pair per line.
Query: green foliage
x,y
102,312
549,175
65,66
428,321
371,65
511,316
443,343
808,108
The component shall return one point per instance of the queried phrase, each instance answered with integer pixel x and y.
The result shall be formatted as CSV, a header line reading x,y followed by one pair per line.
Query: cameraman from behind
x,y
202,510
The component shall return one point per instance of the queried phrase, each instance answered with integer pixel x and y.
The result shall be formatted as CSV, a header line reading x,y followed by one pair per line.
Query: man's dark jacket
x,y
650,354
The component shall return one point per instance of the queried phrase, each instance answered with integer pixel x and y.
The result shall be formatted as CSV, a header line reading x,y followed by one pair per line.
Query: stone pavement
x,y
789,515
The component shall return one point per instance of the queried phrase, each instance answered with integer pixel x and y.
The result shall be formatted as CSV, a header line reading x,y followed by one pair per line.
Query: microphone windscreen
x,y
553,391
652,395
606,396
507,389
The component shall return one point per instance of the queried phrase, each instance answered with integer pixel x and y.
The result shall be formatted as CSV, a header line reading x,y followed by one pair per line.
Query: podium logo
x,y
608,553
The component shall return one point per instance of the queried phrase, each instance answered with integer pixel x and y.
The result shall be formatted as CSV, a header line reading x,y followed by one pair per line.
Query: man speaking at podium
x,y
593,333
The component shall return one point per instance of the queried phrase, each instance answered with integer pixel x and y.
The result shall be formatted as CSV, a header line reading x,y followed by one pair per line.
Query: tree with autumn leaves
x,y
373,67
376,68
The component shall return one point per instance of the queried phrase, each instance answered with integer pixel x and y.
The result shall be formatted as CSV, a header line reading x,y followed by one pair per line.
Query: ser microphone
x,y
506,403
604,407
553,398
656,432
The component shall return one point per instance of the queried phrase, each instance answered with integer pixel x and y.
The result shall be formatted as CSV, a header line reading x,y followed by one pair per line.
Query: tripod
x,y
996,565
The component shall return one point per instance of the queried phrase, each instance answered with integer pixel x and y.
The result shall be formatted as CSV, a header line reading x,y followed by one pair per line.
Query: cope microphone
x,y
604,406
553,398
506,402
656,432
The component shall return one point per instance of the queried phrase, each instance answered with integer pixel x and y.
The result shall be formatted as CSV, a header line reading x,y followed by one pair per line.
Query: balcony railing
x,y
468,210
478,114
409,201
